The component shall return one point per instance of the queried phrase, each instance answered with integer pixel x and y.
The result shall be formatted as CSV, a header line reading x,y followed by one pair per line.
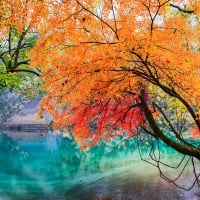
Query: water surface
x,y
53,167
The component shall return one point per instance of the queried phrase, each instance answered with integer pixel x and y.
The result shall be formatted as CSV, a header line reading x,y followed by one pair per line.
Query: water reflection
x,y
54,168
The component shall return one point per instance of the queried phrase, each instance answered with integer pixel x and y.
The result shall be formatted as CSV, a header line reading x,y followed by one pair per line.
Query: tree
x,y
108,50
110,61
17,37
108,64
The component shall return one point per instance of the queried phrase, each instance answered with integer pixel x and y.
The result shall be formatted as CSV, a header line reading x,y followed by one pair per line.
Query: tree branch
x,y
181,9
184,149
25,70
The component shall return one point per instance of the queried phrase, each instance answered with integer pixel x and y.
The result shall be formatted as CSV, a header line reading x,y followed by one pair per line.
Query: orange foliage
x,y
95,51
195,132
102,120
22,14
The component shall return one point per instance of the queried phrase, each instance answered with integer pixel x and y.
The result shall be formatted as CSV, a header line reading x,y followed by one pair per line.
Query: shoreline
x,y
25,131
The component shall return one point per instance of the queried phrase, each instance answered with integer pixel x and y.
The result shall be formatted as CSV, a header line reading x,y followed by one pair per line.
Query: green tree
x,y
15,71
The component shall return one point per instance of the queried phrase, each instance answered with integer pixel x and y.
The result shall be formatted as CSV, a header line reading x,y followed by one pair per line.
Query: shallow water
x,y
54,168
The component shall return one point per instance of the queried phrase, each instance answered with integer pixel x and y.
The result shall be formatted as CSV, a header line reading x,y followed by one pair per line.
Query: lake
x,y
52,167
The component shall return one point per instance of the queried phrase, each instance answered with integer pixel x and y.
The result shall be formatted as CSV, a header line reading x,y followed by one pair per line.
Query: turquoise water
x,y
53,167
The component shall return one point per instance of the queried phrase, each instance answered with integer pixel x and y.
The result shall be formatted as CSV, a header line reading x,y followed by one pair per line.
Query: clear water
x,y
54,168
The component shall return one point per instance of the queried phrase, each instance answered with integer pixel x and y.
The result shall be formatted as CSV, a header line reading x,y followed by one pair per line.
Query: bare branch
x,y
99,18
25,70
182,9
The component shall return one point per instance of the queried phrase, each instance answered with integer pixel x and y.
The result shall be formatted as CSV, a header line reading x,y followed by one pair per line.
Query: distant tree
x,y
10,102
